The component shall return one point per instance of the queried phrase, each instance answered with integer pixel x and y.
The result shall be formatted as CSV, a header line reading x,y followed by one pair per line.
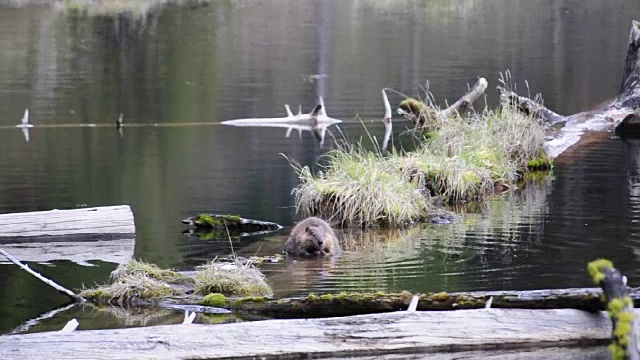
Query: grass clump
x,y
139,267
138,282
461,160
236,278
133,282
361,187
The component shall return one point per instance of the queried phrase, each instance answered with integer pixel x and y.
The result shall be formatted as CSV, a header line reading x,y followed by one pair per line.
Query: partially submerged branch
x,y
528,106
49,282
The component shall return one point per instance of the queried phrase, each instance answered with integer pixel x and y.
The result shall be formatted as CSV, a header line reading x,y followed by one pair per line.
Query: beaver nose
x,y
320,242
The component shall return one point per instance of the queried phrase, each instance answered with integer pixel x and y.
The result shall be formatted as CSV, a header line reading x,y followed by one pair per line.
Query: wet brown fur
x,y
312,237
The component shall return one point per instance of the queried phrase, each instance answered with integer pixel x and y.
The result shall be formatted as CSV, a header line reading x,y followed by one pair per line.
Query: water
x,y
180,65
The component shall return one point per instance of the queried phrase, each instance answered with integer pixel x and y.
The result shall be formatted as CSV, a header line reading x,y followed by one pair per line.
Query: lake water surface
x,y
193,64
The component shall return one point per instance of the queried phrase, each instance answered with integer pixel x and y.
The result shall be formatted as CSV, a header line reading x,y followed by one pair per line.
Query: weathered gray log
x,y
608,117
464,103
375,334
528,106
98,223
79,235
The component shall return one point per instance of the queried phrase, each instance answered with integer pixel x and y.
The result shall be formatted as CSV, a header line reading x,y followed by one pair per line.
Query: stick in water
x,y
71,294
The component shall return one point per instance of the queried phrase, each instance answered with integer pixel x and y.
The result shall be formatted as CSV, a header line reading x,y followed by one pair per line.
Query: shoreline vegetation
x,y
457,160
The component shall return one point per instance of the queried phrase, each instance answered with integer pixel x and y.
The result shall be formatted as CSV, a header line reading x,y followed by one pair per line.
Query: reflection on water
x,y
183,65
486,246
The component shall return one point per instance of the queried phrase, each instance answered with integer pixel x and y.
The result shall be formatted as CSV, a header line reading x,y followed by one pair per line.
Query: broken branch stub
x,y
466,101
630,88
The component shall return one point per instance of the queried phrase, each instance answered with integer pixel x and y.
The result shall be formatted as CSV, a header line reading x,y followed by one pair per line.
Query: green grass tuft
x,y
462,160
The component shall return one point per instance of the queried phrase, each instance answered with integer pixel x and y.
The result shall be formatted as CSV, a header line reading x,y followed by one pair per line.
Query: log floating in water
x,y
364,335
214,226
367,303
80,235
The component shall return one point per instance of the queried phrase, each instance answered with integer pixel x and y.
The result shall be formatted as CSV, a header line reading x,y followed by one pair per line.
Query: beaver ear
x,y
307,229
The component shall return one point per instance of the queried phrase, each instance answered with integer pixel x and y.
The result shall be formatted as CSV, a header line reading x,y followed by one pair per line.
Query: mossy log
x,y
624,343
436,334
345,304
212,226
420,114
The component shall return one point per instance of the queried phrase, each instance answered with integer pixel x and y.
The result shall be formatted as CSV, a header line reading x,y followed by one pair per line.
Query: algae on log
x,y
618,114
212,226
624,345
345,304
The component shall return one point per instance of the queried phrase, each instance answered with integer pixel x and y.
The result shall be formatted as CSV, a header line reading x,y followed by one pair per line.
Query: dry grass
x,y
139,281
231,278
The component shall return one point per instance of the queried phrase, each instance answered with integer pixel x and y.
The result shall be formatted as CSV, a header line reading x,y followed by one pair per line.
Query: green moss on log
x,y
215,300
541,163
217,221
597,268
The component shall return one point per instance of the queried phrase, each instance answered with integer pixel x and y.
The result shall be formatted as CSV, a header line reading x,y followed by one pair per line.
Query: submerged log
x,y
608,117
79,235
376,334
213,226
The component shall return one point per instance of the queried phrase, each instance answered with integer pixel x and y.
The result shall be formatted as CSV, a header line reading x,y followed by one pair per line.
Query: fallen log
x,y
348,304
365,335
215,226
619,111
79,235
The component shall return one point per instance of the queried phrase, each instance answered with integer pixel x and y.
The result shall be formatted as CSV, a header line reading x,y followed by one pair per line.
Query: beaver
x,y
312,236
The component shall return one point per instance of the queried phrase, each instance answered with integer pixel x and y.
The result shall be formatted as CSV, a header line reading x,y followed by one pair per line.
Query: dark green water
x,y
226,60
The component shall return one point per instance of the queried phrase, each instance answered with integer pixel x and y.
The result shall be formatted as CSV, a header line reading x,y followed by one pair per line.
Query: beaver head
x,y
315,237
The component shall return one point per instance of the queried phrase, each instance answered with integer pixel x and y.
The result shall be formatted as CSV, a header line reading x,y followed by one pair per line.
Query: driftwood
x,y
315,122
422,115
80,235
375,334
618,114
